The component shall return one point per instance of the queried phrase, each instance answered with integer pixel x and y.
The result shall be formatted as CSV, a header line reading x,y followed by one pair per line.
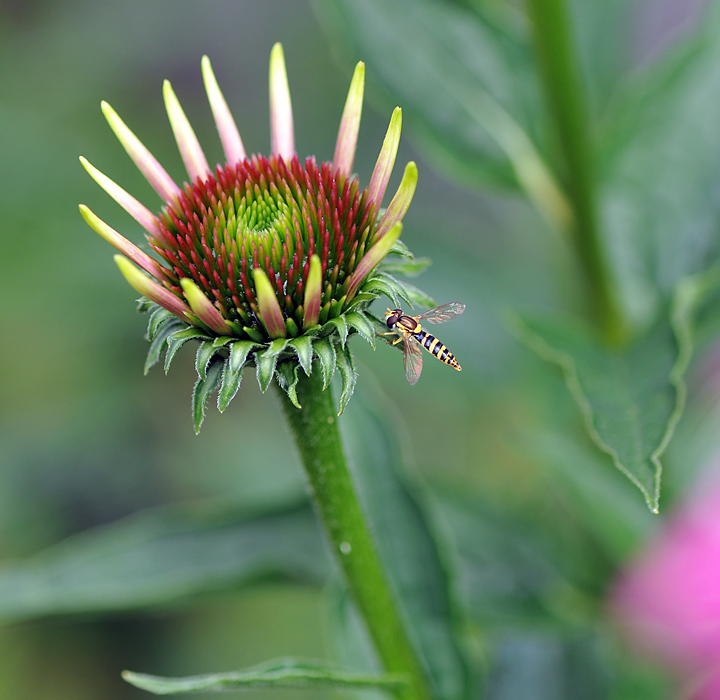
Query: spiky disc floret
x,y
267,261
267,215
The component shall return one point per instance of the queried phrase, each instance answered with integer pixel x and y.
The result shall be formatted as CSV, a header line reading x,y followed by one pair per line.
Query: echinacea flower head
x,y
269,261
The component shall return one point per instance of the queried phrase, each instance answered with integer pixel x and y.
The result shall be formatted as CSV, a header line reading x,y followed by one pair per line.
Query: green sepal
x,y
365,298
232,372
378,284
204,354
287,375
325,350
279,673
341,327
158,343
178,339
348,374
360,323
397,285
203,389
417,297
265,361
304,351
399,248
145,306
157,317
410,268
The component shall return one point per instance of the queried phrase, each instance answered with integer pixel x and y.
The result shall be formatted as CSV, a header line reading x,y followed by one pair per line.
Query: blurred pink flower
x,y
668,598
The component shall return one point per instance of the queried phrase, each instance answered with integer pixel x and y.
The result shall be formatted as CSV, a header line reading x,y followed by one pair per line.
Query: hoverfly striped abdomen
x,y
437,348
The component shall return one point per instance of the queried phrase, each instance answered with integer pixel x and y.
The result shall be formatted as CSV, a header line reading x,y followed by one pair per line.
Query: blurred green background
x,y
86,439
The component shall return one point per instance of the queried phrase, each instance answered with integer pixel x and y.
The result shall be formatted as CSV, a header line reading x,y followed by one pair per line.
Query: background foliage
x,y
540,517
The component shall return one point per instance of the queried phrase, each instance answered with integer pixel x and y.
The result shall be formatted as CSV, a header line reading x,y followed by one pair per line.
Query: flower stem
x,y
564,95
316,434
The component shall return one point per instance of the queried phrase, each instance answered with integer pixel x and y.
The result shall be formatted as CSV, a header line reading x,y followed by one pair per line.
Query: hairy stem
x,y
316,434
559,67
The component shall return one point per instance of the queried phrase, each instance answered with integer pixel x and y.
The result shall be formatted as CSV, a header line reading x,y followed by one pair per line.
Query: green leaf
x,y
280,673
203,389
348,375
408,543
178,339
265,361
361,324
325,350
161,556
631,399
158,342
303,349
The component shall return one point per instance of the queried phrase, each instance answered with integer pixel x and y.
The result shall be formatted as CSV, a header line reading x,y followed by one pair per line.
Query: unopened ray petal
x,y
146,163
282,133
227,129
350,123
371,259
188,145
152,290
138,211
270,313
386,159
313,293
119,242
203,307
398,207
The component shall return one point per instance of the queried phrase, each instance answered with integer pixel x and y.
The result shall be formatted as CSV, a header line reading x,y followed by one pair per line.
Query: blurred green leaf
x,y
631,398
535,666
281,673
660,170
408,544
161,556
466,84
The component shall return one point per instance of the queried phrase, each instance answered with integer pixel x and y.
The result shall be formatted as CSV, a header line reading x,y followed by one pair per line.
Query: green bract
x,y
266,261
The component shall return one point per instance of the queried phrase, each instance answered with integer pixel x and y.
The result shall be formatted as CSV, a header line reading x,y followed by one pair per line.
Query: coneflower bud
x,y
268,261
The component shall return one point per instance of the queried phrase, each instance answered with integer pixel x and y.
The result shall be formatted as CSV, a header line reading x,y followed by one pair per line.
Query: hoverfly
x,y
410,331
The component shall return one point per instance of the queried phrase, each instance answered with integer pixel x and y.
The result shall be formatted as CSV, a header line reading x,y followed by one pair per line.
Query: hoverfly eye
x,y
392,320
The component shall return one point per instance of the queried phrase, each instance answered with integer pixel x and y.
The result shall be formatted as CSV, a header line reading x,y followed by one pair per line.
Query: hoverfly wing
x,y
441,314
413,358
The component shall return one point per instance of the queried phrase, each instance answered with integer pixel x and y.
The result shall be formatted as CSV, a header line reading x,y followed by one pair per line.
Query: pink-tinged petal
x,y
400,202
270,313
122,244
227,130
313,293
371,259
139,212
152,290
282,132
350,123
203,308
188,145
386,159
154,173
